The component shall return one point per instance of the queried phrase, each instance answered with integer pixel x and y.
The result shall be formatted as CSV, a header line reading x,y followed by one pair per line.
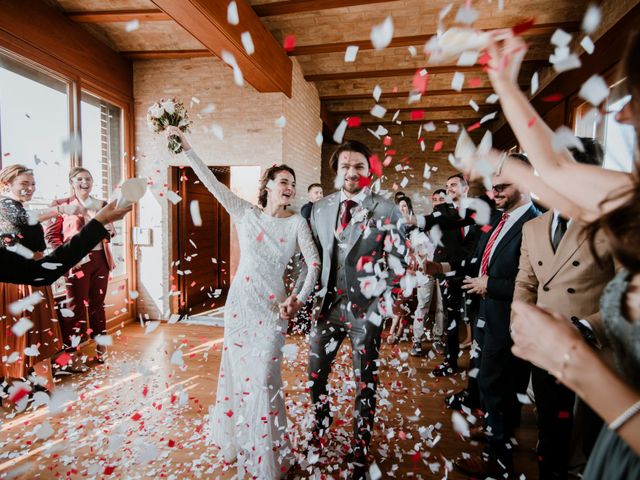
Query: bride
x,y
248,421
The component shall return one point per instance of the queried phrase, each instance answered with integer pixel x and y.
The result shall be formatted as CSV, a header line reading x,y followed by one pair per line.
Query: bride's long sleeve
x,y
233,204
311,258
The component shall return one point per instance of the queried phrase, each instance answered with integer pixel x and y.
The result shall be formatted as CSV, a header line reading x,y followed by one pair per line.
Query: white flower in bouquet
x,y
167,113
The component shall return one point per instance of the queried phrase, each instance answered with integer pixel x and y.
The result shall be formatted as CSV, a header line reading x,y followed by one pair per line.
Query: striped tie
x,y
487,250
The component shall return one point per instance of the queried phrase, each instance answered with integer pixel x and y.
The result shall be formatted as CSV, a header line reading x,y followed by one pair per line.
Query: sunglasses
x,y
501,187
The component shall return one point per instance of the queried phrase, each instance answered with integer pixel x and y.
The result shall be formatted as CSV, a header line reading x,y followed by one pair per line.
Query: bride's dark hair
x,y
270,174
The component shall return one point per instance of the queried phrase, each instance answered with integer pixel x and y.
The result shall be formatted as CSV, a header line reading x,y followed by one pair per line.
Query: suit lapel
x,y
571,241
357,228
329,217
515,230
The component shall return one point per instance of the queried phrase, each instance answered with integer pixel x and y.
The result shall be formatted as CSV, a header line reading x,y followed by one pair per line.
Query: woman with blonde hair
x,y
87,282
20,230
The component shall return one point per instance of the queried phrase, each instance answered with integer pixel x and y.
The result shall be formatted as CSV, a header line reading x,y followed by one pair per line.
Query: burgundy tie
x,y
487,250
345,217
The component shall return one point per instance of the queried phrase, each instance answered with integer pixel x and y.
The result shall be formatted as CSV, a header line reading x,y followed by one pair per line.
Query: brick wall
x,y
251,137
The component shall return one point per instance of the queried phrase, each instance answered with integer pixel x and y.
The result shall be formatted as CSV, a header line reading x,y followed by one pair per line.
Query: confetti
x,y
132,25
592,19
319,139
26,303
588,45
382,34
466,14
339,133
247,43
378,111
232,13
281,121
351,53
535,83
595,90
377,91
21,327
194,209
458,81
289,43
230,59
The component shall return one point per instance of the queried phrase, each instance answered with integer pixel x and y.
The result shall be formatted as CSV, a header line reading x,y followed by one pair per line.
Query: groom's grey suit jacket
x,y
373,232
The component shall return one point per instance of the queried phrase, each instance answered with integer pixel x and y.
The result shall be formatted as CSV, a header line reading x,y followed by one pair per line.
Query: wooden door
x,y
200,254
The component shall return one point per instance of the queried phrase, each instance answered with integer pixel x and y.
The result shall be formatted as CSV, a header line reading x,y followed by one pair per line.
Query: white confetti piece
x,y
535,83
588,45
468,59
331,346
104,340
60,397
133,294
44,430
50,266
493,98
132,25
217,131
594,90
173,197
378,111
453,128
67,313
524,399
176,358
232,13
22,326
194,209
413,51
75,340
560,38
247,43
351,53
488,117
592,19
377,91
429,127
72,145
150,327
230,59
281,121
374,472
32,351
338,135
319,139
466,14
26,303
474,105
460,425
570,63
458,81
21,250
564,138
289,352
382,34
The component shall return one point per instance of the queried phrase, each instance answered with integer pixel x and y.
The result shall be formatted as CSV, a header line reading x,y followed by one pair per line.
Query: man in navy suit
x,y
491,273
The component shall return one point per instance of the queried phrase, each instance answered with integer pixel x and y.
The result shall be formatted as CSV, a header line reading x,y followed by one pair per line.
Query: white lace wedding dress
x,y
248,420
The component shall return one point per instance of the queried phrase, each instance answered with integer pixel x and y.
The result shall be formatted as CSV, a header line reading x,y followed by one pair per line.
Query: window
x,y
617,140
103,155
34,126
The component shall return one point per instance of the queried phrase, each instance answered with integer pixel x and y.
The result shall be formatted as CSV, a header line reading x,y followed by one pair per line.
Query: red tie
x,y
345,217
487,250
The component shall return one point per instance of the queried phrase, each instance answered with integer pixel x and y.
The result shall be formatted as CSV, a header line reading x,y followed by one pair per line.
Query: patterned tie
x,y
345,216
561,229
487,250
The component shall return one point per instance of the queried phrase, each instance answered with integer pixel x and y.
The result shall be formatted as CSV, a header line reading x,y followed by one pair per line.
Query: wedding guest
x,y
609,200
398,196
314,193
20,228
438,197
86,283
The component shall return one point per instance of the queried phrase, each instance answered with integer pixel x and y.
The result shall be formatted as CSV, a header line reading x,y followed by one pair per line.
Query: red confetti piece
x,y
523,26
145,391
438,146
79,274
364,182
475,82
63,359
485,228
362,261
387,141
108,470
136,416
554,97
484,59
417,114
289,43
473,127
563,415
229,413
171,443
376,165
19,394
420,81
532,122
260,236
353,122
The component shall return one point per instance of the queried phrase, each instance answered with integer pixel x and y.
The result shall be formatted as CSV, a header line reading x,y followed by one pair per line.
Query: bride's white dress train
x,y
248,420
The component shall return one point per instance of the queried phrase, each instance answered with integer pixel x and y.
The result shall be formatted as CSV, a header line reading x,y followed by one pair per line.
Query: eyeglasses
x,y
501,187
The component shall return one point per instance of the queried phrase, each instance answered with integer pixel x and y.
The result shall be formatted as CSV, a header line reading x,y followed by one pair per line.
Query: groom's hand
x,y
289,307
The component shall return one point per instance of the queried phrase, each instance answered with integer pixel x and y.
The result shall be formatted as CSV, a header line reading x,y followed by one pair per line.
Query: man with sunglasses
x,y
490,274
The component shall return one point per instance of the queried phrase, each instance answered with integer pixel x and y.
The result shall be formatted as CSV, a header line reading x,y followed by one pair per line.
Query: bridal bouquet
x,y
169,113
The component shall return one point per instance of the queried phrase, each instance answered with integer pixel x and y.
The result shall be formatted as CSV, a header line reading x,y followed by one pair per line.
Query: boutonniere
x,y
361,214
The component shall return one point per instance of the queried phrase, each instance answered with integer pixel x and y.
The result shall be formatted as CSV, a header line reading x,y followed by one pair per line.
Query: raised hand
x,y
172,130
507,52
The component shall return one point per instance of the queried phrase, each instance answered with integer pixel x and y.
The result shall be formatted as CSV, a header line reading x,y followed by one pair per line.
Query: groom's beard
x,y
352,184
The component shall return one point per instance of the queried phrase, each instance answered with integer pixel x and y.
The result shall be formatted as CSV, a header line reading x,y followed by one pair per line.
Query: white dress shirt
x,y
554,223
514,216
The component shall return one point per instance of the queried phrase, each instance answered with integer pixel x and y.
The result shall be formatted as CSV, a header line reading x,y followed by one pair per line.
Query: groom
x,y
355,231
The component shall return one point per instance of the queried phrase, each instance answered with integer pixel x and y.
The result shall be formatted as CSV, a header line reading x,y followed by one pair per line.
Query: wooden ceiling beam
x,y
268,69
471,121
300,6
413,40
428,93
165,54
113,16
427,110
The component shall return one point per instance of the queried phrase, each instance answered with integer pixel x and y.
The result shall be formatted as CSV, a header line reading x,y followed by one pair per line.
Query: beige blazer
x,y
569,281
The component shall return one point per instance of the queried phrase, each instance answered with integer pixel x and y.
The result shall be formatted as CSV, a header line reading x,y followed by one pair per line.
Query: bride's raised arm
x,y
232,203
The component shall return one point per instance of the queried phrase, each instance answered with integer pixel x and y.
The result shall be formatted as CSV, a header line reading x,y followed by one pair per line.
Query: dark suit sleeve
x,y
17,269
305,211
501,288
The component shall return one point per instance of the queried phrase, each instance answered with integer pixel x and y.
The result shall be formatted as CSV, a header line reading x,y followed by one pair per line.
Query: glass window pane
x,y
102,155
34,124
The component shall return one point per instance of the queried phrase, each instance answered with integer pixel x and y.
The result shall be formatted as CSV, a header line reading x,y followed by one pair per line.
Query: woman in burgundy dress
x,y
87,282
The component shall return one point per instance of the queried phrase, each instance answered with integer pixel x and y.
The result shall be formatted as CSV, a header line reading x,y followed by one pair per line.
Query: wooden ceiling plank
x,y
428,93
114,16
535,31
165,54
300,6
268,69
446,108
